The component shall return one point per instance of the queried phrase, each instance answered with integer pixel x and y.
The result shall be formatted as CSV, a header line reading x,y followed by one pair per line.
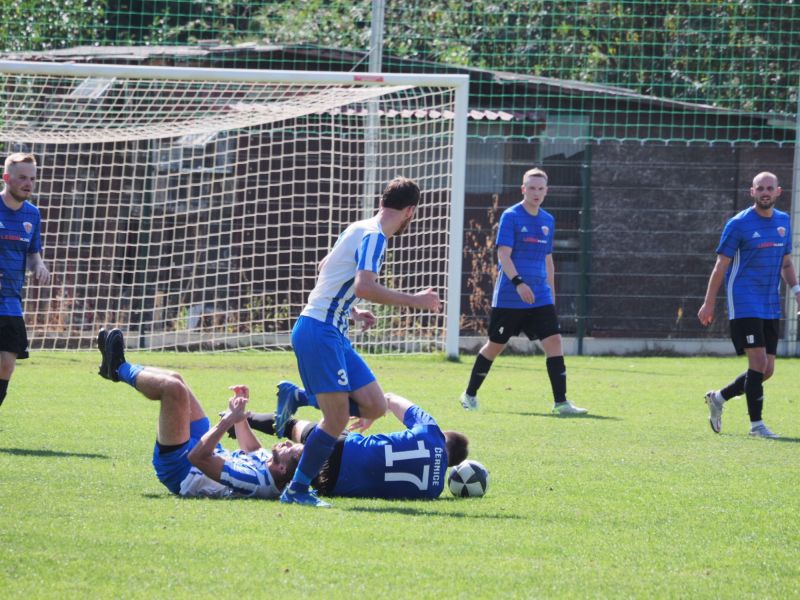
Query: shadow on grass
x,y
590,416
49,453
417,512
786,439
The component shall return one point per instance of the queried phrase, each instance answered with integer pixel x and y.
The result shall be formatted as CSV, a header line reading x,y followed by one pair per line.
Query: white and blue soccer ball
x,y
468,479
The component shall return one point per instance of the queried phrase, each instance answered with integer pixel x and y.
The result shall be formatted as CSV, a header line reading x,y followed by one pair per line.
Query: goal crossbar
x,y
158,160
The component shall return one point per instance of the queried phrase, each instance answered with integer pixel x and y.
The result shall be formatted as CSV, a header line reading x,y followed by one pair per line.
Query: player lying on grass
x,y
187,457
407,464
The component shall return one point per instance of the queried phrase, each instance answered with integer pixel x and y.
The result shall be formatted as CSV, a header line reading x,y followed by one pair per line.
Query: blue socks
x,y
128,372
318,448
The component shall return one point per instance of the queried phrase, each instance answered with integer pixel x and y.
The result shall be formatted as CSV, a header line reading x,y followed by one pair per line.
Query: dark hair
x,y
399,193
457,446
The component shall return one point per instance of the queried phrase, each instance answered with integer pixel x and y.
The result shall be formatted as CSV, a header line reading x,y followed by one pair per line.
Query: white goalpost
x,y
190,206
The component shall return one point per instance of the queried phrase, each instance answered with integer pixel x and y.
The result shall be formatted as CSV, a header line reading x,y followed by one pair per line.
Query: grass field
x,y
640,499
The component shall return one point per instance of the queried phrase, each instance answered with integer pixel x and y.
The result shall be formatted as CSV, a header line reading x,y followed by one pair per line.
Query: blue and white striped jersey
x,y
756,246
360,247
245,475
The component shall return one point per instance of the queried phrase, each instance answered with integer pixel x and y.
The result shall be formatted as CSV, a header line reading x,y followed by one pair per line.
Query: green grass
x,y
640,499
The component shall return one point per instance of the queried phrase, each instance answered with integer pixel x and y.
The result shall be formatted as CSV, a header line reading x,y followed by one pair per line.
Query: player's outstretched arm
x,y
368,288
202,455
398,405
245,437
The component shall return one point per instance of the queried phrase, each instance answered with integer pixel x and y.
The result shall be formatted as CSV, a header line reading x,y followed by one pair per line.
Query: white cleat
x,y
567,409
469,402
714,411
763,431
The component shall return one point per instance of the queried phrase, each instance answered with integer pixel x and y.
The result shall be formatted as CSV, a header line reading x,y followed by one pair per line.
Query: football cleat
x,y
113,354
288,402
763,431
469,402
567,409
714,411
307,498
101,345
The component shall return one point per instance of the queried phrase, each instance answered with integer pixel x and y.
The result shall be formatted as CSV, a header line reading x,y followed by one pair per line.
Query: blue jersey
x,y
756,246
19,236
403,464
531,241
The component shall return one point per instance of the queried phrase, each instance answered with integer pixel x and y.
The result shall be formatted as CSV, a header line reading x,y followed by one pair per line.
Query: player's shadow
x,y
786,439
418,512
588,417
50,453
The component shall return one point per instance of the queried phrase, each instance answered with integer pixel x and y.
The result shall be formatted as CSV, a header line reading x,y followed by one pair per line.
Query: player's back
x,y
403,464
360,247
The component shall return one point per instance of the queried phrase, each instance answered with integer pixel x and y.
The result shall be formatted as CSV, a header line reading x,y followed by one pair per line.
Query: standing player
x,y
187,456
407,464
753,255
20,250
329,366
524,298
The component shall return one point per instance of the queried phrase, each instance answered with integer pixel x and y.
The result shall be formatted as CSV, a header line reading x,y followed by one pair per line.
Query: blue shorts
x,y
326,360
173,467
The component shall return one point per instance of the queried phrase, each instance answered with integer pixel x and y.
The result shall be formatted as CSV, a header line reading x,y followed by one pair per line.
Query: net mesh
x,y
192,214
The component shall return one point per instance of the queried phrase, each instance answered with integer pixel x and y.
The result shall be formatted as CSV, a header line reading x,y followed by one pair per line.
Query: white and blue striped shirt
x,y
360,247
245,475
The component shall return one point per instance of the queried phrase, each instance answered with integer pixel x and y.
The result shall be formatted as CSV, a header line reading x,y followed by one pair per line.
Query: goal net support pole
x,y
190,206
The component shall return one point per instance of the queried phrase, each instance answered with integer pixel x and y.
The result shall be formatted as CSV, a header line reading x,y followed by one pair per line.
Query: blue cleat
x,y
288,403
307,498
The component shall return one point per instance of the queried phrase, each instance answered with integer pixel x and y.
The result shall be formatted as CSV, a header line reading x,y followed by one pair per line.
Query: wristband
x,y
796,289
517,280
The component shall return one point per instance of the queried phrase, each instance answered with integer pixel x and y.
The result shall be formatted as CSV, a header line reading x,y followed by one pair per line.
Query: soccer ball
x,y
468,479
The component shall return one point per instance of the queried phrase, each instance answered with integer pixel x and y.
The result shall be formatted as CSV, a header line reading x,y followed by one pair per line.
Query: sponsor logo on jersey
x,y
28,227
770,245
782,231
533,240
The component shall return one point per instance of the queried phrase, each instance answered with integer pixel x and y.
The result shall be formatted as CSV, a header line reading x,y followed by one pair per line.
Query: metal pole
x,y
585,247
791,304
371,136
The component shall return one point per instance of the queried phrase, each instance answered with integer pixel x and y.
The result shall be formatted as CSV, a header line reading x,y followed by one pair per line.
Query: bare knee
x,y
491,350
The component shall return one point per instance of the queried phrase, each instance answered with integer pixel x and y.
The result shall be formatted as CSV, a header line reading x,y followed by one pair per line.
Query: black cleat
x,y
113,354
101,345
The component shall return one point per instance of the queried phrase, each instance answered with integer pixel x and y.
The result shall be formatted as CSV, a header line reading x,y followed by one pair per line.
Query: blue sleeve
x,y
36,238
505,231
551,237
370,253
730,240
416,416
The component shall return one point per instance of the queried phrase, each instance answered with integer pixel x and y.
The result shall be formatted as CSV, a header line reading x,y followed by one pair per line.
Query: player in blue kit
x,y
753,255
187,456
408,464
330,368
524,297
20,251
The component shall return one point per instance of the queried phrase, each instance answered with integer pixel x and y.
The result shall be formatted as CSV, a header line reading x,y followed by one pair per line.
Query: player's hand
x,y
365,317
706,314
360,424
41,275
526,293
428,300
237,408
240,390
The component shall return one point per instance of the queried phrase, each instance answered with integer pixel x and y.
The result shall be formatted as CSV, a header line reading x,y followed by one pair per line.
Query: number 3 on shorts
x,y
342,377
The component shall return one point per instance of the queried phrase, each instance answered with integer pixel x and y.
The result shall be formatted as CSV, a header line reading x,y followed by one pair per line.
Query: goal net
x,y
190,207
